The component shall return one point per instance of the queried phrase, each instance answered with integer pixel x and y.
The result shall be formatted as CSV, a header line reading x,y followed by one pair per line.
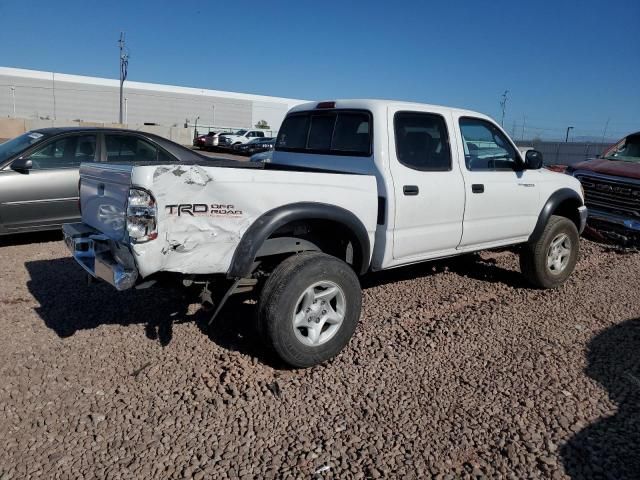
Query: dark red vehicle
x,y
201,142
611,184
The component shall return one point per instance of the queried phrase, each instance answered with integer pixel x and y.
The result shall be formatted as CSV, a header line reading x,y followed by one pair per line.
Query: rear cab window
x,y
327,132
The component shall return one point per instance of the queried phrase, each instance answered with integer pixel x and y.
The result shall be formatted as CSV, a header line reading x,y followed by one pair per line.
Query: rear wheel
x,y
309,308
548,262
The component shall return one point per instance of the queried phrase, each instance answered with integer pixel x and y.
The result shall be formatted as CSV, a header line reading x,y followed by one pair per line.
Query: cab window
x,y
330,132
486,148
422,141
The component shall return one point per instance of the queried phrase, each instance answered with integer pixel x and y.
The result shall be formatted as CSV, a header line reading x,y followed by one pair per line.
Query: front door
x,y
502,204
47,194
428,185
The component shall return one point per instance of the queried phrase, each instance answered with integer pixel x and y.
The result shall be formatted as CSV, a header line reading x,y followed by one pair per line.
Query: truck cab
x,y
423,155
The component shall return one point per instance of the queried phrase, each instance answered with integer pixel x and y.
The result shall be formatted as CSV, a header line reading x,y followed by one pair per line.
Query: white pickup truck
x,y
354,186
242,136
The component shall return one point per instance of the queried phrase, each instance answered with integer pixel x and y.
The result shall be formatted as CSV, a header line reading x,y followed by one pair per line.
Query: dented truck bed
x,y
202,212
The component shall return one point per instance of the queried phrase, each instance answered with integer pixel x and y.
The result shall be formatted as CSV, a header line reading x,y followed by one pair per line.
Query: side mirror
x,y
533,160
22,164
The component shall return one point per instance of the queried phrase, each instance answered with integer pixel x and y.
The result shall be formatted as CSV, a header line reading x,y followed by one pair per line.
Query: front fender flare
x,y
556,199
269,222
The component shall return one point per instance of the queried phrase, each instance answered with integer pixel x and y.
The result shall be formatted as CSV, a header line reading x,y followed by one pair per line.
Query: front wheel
x,y
309,308
549,261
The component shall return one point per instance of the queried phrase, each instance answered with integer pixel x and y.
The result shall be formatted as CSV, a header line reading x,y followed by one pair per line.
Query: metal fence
x,y
565,153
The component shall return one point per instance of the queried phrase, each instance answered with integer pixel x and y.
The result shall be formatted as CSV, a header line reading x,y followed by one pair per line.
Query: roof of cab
x,y
378,104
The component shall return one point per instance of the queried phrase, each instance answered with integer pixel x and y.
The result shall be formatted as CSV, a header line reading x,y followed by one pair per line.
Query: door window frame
x,y
157,146
55,138
519,162
446,132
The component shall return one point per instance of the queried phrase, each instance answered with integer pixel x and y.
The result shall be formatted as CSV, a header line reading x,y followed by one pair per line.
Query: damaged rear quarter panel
x,y
203,211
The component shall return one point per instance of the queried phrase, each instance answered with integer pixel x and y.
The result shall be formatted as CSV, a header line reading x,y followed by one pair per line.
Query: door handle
x,y
477,188
410,190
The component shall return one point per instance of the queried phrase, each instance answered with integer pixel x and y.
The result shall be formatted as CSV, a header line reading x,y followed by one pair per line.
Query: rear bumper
x,y
101,256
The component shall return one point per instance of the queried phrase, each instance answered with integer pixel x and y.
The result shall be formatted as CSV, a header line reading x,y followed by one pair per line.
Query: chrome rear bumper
x,y
101,256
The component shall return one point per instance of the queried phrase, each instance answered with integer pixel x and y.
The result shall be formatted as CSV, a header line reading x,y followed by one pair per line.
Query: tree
x,y
262,124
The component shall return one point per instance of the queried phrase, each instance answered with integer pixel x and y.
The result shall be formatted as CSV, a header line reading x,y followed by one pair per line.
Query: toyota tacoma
x,y
354,186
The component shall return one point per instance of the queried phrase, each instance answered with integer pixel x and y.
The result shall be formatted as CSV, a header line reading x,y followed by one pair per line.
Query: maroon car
x,y
611,184
200,141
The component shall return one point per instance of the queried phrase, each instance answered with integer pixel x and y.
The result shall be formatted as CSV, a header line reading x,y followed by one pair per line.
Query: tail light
x,y
141,216
326,105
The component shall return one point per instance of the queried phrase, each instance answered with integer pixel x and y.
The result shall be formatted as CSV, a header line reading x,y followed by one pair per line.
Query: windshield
x,y
16,145
240,132
628,150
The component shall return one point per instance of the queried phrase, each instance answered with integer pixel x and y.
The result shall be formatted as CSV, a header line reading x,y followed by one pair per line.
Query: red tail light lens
x,y
326,105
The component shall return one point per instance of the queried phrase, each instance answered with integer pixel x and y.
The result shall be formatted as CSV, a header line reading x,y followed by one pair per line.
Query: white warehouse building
x,y
57,97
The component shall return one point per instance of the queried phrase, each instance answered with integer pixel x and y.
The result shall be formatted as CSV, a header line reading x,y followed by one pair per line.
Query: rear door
x,y
428,184
47,194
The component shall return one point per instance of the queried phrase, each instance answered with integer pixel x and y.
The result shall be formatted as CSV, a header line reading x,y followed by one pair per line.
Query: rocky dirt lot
x,y
458,369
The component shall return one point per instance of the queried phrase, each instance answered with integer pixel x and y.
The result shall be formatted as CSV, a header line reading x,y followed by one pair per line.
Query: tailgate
x,y
104,189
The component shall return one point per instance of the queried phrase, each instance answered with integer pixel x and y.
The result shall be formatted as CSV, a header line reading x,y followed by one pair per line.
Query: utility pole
x,y
503,105
53,84
524,122
566,139
604,132
213,108
13,96
124,64
126,110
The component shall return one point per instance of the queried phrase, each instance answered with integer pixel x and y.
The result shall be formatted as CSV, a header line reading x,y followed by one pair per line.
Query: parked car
x,y
611,185
354,186
243,136
201,140
255,146
264,157
39,170
198,141
215,139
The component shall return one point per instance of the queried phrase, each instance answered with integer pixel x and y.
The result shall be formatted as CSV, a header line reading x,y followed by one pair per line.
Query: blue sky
x,y
564,63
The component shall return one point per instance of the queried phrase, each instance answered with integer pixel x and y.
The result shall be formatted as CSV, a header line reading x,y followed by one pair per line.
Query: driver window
x,y
486,148
67,152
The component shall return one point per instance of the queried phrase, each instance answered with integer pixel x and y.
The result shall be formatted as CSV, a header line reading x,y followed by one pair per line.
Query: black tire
x,y
533,256
279,299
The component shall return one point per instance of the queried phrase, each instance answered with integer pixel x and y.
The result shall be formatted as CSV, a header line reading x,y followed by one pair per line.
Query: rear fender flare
x,y
257,234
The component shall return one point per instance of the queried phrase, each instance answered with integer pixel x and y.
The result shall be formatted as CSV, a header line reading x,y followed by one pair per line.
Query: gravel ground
x,y
456,370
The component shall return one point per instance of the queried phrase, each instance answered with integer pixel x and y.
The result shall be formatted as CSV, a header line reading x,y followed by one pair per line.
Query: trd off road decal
x,y
203,209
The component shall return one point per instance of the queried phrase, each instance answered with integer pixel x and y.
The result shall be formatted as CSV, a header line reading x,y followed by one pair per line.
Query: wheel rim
x,y
319,313
559,253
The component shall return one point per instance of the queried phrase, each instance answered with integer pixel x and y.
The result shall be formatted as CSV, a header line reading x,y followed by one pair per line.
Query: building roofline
x,y
156,87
